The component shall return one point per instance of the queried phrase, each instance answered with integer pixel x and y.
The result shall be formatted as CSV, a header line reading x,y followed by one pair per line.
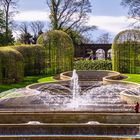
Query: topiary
x,y
126,52
34,58
11,65
59,51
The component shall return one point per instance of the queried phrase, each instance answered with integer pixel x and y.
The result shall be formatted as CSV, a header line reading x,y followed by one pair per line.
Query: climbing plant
x,y
59,51
126,52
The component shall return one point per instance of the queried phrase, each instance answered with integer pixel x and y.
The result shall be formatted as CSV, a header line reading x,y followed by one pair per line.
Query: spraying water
x,y
97,97
75,85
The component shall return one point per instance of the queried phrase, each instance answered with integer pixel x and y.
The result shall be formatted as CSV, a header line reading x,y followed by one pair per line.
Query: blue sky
x,y
108,8
108,15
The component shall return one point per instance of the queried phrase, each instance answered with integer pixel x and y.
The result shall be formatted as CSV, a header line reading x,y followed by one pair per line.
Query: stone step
x,y
91,128
68,137
23,117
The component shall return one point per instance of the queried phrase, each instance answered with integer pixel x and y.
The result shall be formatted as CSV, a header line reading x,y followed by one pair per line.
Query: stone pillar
x,y
106,51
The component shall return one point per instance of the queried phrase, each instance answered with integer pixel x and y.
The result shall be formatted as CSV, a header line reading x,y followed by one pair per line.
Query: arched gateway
x,y
83,49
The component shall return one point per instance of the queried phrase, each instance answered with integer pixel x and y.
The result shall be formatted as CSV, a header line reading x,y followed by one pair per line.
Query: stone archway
x,y
81,50
100,54
109,54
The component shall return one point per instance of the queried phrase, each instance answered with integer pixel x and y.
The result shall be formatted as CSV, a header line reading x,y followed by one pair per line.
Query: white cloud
x,y
32,16
16,34
111,24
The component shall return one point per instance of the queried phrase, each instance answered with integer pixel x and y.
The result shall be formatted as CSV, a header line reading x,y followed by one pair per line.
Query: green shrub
x,y
59,51
93,65
34,58
11,65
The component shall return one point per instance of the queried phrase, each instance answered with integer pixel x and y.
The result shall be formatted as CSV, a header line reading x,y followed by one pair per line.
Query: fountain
x,y
75,85
70,109
75,88
68,96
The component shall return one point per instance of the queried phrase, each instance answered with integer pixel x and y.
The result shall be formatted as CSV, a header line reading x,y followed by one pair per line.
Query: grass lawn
x,y
46,79
27,80
38,79
133,78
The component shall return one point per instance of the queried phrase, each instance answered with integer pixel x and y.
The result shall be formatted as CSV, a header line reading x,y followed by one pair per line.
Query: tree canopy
x,y
69,14
9,9
104,38
134,8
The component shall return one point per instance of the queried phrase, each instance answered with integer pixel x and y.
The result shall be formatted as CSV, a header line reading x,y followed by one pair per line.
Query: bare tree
x,y
37,29
104,39
23,27
25,36
69,14
9,9
134,8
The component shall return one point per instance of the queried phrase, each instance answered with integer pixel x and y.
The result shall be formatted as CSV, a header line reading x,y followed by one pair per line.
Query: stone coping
x,y
92,75
69,125
67,113
130,99
36,85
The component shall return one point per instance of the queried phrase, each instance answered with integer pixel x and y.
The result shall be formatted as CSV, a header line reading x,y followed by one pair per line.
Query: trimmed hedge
x,y
34,58
93,65
54,55
126,52
11,66
59,51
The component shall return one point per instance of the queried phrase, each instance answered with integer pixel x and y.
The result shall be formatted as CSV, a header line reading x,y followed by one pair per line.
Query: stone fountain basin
x,y
29,102
83,84
92,75
130,98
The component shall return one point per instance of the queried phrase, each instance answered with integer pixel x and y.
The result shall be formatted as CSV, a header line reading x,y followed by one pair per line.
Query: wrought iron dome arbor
x,y
59,51
126,52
